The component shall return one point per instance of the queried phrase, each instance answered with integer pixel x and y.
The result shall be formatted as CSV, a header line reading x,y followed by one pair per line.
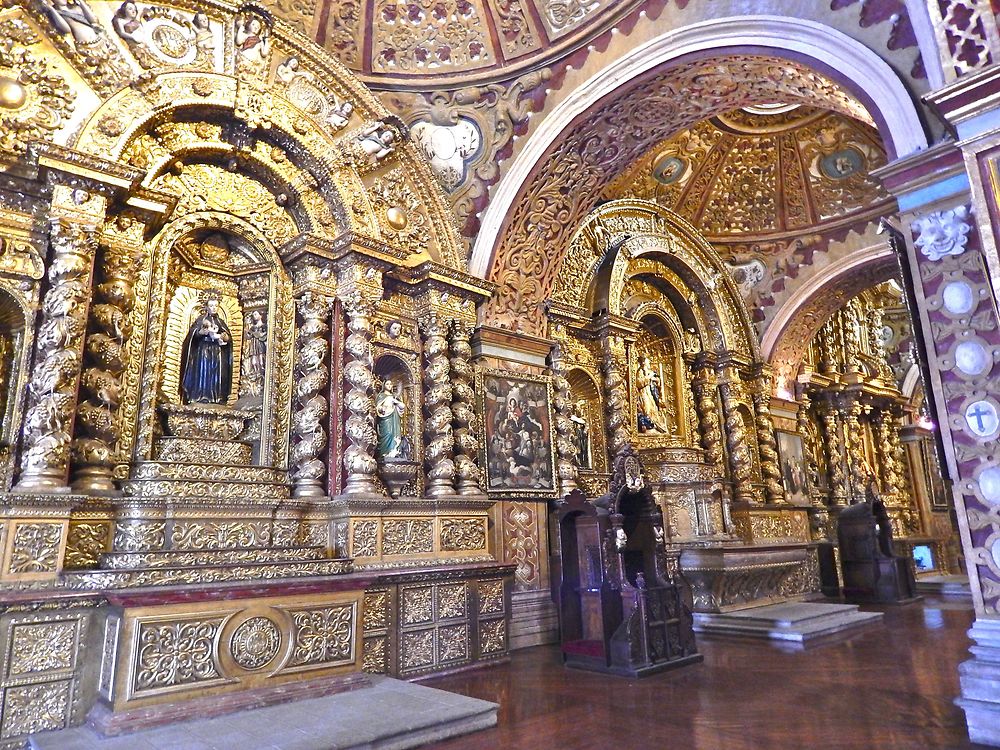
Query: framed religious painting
x,y
795,477
518,436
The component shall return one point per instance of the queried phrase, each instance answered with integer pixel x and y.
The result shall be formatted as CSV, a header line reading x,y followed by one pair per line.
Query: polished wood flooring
x,y
889,688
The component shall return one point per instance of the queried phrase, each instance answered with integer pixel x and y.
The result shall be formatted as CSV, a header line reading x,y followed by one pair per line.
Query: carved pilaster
x,y
706,398
439,440
804,426
312,376
767,442
740,460
463,400
48,423
359,463
97,423
567,461
615,401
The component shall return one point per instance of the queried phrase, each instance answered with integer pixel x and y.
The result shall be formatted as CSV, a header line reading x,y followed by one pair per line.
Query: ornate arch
x,y
668,84
627,238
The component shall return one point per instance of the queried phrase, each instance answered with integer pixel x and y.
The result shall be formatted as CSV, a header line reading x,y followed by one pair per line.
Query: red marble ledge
x,y
921,168
109,724
242,590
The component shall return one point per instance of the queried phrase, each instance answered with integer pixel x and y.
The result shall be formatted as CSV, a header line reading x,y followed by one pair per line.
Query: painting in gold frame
x,y
517,447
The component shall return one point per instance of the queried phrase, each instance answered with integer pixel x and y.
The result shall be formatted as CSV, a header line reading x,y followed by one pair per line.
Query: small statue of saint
x,y
389,409
377,141
581,434
650,417
207,361
74,17
254,354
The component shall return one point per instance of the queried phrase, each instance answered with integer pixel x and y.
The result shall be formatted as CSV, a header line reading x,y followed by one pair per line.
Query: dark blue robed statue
x,y
207,362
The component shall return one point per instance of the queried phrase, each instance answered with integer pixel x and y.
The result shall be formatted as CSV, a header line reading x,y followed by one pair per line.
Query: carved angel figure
x,y
252,42
339,114
74,17
377,141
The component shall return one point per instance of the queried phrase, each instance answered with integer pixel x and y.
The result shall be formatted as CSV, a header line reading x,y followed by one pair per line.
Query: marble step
x,y
191,558
789,621
389,715
945,585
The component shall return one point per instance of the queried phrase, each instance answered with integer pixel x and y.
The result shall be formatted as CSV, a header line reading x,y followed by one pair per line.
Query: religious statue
x,y
339,114
207,360
581,434
254,354
650,416
75,18
389,409
126,22
252,43
377,141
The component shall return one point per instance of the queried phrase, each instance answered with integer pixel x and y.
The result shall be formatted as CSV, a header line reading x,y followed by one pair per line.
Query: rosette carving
x,y
768,445
440,441
312,375
359,463
53,388
100,384
566,458
615,404
740,460
463,399
708,418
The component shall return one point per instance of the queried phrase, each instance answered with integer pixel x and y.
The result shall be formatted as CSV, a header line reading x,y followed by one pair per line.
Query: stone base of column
x,y
979,678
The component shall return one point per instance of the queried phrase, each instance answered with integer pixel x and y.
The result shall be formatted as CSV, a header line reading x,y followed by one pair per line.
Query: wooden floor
x,y
890,688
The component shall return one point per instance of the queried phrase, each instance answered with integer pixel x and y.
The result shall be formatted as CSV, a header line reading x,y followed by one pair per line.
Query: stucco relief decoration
x,y
34,100
943,233
428,34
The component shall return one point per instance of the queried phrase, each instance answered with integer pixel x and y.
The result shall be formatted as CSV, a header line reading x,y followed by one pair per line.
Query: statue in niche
x,y
650,417
389,410
207,360
254,354
581,434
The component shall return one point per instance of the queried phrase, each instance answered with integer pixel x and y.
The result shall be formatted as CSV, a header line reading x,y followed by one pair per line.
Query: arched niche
x,y
14,340
588,420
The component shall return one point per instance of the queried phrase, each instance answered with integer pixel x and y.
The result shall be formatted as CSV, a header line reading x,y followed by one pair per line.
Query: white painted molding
x,y
821,278
869,72
910,381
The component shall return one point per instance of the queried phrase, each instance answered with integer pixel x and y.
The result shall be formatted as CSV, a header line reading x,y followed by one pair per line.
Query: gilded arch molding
x,y
586,141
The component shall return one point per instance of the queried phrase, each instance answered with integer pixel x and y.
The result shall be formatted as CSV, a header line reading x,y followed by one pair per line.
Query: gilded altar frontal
x,y
344,345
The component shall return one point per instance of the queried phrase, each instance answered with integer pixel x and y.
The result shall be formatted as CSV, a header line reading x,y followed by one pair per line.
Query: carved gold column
x,y
97,417
854,447
767,442
740,460
706,399
48,422
359,464
804,427
830,418
439,440
615,400
463,405
312,377
567,462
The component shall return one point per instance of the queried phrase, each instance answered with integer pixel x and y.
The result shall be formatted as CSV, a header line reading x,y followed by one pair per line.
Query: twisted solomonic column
x,y
740,460
359,462
615,401
767,444
463,405
705,397
855,451
97,424
834,455
567,461
48,423
439,439
804,427
312,376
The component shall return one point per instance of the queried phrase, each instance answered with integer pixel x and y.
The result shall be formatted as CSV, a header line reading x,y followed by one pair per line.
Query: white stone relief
x,y
972,358
989,484
943,233
747,275
449,148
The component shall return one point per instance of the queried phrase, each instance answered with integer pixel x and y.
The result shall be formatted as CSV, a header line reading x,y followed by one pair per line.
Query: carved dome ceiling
x,y
763,172
449,39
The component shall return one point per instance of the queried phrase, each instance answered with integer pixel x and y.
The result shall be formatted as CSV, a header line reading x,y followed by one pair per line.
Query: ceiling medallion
x,y
668,168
